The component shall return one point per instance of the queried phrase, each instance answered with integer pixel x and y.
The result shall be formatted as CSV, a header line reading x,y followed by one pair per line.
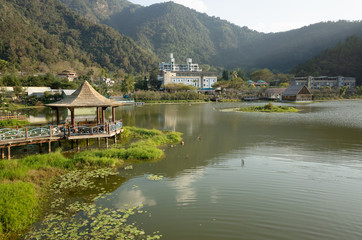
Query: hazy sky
x,y
273,15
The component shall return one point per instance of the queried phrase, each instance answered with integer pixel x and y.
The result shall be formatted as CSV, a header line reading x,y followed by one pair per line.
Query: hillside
x,y
344,59
36,34
97,10
170,27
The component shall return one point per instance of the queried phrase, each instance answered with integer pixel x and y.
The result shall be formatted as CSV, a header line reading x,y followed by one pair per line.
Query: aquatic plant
x,y
154,177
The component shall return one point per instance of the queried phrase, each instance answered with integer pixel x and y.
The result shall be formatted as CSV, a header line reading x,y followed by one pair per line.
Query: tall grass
x,y
19,206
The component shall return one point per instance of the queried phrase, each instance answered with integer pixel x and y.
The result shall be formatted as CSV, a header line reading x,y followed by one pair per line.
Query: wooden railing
x,y
15,117
64,130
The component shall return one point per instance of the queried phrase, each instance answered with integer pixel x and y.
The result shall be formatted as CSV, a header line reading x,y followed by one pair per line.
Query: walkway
x,y
11,137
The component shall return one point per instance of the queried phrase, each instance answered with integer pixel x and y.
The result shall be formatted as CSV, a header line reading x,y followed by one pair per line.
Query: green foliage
x,y
13,123
18,206
174,87
263,74
38,34
127,84
344,59
271,108
43,161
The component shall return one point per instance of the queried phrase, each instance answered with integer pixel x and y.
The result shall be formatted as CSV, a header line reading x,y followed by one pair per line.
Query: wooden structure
x,y
274,93
14,117
297,94
84,97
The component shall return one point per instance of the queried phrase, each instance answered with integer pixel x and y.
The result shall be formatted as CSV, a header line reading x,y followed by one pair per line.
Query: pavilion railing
x,y
106,129
32,132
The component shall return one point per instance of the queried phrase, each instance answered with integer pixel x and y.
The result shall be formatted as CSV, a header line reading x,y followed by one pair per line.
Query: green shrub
x,y
143,152
13,123
100,158
18,206
143,133
55,159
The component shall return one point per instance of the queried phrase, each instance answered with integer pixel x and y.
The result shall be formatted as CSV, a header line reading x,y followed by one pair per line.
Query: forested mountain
x,y
36,34
344,59
97,10
170,27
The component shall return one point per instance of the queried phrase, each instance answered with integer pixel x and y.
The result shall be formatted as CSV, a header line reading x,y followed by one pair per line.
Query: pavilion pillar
x,y
40,148
113,114
2,153
9,153
57,110
72,117
97,115
104,115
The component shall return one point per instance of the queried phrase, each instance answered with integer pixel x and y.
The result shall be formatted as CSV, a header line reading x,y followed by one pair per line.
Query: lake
x,y
249,175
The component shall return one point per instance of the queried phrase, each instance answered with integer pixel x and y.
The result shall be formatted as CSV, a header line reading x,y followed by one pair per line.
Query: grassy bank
x,y
13,122
24,181
271,108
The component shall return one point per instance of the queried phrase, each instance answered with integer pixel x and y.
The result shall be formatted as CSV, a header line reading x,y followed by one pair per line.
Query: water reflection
x,y
184,186
133,198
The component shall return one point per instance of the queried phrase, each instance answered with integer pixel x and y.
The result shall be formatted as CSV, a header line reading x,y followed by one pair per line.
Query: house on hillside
x,y
67,74
297,94
274,93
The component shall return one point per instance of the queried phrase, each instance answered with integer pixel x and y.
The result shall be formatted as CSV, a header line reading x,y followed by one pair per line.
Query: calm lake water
x,y
301,177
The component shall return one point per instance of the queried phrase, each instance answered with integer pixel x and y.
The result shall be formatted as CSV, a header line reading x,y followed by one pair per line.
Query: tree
x,y
142,84
154,79
127,84
263,74
225,75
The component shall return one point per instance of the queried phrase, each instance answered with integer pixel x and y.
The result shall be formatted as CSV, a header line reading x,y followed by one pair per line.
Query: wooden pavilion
x,y
86,97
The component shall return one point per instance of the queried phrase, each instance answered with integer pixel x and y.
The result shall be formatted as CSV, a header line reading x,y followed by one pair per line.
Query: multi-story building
x,y
323,81
188,74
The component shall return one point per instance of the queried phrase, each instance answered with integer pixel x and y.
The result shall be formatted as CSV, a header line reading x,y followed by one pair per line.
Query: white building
x,y
188,74
107,81
324,81
172,66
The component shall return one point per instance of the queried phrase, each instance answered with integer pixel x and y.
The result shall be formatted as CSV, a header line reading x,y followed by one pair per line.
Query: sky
x,y
273,15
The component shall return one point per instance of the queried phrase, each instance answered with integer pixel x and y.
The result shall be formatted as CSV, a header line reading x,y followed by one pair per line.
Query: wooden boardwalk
x,y
12,137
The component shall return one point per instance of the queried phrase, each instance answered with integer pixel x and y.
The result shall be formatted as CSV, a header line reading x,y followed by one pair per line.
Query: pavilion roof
x,y
85,96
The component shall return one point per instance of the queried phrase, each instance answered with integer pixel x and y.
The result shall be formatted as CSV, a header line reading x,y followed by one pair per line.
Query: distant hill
x,y
170,27
38,33
344,59
97,10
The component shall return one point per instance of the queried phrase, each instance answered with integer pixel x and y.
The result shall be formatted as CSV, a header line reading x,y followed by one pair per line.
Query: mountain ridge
x,y
170,27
